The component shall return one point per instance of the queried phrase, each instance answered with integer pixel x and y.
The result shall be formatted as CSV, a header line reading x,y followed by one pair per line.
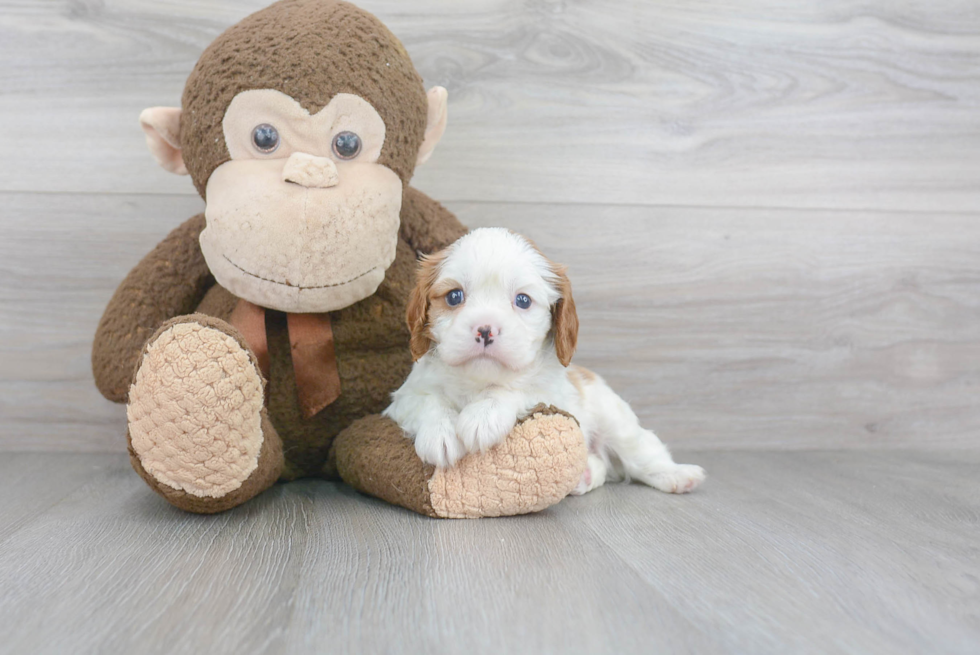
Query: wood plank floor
x,y
869,105
805,552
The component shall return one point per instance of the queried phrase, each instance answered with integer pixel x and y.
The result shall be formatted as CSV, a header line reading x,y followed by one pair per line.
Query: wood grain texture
x,y
807,552
836,104
723,327
62,258
30,485
769,328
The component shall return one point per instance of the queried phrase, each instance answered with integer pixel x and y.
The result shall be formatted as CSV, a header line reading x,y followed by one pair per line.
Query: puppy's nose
x,y
486,335
310,171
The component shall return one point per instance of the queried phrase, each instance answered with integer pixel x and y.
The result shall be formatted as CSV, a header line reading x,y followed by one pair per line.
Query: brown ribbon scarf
x,y
311,343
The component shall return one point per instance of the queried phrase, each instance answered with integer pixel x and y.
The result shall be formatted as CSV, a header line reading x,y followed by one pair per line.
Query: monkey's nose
x,y
310,171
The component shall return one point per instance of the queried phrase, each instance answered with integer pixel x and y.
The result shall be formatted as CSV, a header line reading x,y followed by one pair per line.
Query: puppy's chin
x,y
484,367
478,361
481,363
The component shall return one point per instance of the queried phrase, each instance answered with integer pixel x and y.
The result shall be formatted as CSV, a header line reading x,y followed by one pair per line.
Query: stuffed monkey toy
x,y
260,340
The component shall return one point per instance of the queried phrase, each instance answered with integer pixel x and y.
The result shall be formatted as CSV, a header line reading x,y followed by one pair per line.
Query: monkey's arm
x,y
170,281
426,225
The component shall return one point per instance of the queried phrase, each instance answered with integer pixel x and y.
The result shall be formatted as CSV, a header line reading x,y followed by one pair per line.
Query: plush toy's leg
x,y
540,462
198,431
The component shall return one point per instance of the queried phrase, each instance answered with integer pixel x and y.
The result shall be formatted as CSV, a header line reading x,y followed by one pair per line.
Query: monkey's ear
x,y
162,128
435,122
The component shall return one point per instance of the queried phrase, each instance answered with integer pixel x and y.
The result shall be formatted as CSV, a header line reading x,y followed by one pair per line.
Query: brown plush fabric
x,y
219,303
539,464
370,341
171,280
371,345
310,50
374,457
371,337
546,410
426,225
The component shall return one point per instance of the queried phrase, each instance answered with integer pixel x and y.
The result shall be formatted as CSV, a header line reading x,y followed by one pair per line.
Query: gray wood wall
x,y
769,209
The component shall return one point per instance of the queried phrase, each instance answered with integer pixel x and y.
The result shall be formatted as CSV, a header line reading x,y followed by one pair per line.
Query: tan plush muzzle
x,y
310,171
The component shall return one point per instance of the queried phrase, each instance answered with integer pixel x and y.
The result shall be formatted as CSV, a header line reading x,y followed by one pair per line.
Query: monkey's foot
x,y
539,463
198,433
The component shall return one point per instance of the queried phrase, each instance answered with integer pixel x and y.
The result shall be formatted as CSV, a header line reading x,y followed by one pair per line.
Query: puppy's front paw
x,y
678,480
484,424
436,443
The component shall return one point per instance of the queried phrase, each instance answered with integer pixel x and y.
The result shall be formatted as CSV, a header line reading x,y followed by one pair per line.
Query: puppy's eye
x,y
265,138
347,145
522,300
454,297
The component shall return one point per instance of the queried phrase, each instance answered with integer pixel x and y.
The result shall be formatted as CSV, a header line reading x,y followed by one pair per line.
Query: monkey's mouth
x,y
290,285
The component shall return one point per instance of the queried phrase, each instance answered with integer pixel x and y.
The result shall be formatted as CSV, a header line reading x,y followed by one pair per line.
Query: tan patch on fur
x,y
564,318
420,301
438,307
195,411
580,377
538,464
439,291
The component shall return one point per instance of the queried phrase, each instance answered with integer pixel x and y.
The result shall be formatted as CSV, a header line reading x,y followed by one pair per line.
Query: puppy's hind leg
x,y
593,477
647,459
643,456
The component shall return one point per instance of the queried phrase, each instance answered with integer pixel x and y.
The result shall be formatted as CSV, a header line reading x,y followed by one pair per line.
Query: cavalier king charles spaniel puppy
x,y
493,328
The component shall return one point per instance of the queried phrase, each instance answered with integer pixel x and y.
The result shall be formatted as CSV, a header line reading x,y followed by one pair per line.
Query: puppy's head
x,y
492,300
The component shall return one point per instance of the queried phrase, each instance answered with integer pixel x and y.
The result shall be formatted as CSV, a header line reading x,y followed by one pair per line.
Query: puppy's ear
x,y
564,319
417,315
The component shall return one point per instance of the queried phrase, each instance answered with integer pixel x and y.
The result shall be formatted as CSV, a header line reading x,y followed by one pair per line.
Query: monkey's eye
x,y
522,300
347,145
454,297
265,138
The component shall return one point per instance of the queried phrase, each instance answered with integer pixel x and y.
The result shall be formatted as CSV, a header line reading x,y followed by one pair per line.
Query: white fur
x,y
465,395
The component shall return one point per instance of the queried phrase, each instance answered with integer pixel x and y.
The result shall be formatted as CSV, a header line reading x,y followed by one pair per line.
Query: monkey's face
x,y
300,125
303,218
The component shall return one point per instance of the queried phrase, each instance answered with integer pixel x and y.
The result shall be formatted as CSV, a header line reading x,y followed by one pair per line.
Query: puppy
x,y
493,328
